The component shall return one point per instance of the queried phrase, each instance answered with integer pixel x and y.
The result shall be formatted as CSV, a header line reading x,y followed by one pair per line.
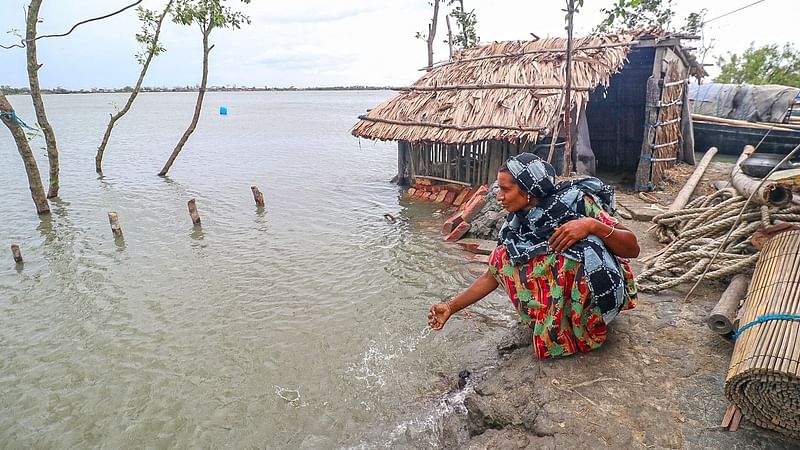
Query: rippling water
x,y
300,325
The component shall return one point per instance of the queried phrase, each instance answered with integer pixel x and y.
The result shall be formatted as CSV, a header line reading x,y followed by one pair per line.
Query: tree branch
x,y
22,42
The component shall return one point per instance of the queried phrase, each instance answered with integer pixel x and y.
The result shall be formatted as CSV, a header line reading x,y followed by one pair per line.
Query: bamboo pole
x,y
722,318
686,192
450,126
566,168
768,193
193,212
469,87
257,196
741,123
539,50
113,219
16,253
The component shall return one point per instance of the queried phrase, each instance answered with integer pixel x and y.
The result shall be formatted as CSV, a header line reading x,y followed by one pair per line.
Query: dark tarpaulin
x,y
754,103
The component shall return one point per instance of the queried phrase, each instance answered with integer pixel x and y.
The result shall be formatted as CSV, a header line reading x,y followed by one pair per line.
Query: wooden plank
x,y
644,171
446,180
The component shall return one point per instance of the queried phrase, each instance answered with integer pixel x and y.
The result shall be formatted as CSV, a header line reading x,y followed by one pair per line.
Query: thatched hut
x,y
464,117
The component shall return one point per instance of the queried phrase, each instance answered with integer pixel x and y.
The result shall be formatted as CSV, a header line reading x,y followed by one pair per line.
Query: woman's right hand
x,y
438,315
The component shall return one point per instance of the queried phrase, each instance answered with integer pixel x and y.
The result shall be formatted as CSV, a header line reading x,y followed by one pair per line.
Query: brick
x,y
449,197
470,245
410,192
426,195
451,223
461,197
473,193
441,195
481,258
473,208
459,232
424,181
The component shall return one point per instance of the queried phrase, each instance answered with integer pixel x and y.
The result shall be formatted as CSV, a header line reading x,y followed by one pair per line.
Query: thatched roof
x,y
511,91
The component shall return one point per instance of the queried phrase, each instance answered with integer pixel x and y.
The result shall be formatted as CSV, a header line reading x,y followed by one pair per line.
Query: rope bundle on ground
x,y
696,233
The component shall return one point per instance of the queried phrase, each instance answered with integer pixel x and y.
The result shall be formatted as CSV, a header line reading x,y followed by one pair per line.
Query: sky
x,y
305,43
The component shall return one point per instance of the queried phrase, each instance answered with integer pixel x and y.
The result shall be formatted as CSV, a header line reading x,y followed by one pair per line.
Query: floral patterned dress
x,y
551,295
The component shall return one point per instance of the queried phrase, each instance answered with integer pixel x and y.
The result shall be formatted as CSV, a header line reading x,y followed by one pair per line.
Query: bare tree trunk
x,y
36,95
98,159
432,33
449,36
197,107
31,168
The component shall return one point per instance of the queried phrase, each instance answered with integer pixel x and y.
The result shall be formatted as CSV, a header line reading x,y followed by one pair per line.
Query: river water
x,y
301,325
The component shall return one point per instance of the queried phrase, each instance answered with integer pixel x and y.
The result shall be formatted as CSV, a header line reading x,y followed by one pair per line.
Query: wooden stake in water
x,y
113,219
257,196
193,212
17,253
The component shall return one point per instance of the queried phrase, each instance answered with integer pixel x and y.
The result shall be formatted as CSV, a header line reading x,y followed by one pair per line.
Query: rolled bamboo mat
x,y
764,375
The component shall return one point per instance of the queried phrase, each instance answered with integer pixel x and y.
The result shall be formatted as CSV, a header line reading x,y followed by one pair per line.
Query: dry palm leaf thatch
x,y
507,91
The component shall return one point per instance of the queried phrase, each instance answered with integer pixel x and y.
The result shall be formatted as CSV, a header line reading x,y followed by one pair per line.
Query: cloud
x,y
325,13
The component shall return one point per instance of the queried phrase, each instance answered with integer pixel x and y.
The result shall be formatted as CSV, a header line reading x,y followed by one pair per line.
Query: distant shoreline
x,y
127,89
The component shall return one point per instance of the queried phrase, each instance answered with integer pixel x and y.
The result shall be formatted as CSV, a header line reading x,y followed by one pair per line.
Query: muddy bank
x,y
657,383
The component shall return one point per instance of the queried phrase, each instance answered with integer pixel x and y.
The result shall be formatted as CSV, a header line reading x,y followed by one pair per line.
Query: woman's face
x,y
511,196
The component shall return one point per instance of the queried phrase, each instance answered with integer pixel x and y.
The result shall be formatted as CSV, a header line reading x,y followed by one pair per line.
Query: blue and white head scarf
x,y
526,233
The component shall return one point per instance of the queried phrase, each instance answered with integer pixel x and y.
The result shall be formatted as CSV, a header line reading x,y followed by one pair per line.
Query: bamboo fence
x,y
764,376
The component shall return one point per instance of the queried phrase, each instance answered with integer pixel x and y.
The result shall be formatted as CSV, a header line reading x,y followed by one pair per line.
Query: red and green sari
x,y
551,295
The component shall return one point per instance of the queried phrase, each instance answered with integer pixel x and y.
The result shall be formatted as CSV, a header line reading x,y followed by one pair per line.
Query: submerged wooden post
x,y
193,212
257,196
113,219
17,253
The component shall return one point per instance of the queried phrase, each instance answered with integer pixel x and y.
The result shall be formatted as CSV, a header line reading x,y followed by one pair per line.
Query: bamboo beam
x,y
686,192
447,125
466,87
538,50
566,166
742,123
722,318
768,193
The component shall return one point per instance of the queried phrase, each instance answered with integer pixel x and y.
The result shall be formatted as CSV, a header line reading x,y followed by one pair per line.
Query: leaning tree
x,y
208,15
151,47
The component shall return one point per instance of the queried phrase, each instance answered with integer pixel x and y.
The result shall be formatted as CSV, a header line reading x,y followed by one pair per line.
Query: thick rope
x,y
696,233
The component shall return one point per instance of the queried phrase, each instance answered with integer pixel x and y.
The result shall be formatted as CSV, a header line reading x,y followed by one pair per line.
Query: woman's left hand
x,y
571,232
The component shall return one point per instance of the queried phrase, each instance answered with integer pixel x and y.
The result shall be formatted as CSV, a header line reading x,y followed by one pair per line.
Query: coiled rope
x,y
696,232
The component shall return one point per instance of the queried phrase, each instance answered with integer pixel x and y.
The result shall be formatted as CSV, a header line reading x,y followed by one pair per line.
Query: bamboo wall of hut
x,y
472,164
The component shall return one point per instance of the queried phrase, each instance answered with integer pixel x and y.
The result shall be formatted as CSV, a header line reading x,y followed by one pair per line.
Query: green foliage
x,y
208,14
770,64
632,14
466,37
147,37
694,22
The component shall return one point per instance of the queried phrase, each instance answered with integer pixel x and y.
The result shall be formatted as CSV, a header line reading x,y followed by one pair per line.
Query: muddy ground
x,y
658,382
